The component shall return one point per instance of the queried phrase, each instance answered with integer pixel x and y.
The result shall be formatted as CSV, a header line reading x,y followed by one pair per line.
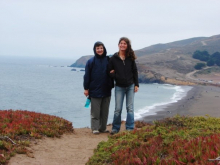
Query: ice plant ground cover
x,y
20,127
173,141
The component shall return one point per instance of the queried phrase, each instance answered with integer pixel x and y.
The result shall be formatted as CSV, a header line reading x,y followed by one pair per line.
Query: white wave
x,y
180,92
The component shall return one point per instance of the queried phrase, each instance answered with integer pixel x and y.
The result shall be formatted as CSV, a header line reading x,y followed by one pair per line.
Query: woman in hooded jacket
x,y
97,86
123,69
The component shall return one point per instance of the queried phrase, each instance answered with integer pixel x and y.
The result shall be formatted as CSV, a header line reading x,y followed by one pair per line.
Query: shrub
x,y
210,62
199,66
21,126
201,55
217,62
204,56
177,140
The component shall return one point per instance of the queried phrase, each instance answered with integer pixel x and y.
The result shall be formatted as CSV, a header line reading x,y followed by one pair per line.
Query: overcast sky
x,y
69,28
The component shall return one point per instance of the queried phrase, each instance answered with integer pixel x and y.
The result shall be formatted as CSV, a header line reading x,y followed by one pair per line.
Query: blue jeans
x,y
120,93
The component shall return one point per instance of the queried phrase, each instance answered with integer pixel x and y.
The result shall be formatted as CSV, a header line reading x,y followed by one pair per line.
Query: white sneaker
x,y
95,132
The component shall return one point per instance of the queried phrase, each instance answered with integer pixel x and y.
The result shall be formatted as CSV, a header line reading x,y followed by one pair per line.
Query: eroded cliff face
x,y
149,76
176,81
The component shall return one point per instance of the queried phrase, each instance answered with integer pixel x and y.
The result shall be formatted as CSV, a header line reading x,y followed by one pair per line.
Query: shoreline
x,y
78,147
152,110
199,101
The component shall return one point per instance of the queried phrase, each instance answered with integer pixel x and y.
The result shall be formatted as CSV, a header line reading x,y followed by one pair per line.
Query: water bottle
x,y
88,101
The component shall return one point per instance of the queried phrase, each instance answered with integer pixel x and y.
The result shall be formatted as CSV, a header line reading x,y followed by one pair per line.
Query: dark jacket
x,y
125,71
96,78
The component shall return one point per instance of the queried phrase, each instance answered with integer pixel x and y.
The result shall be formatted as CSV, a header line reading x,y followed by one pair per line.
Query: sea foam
x,y
180,92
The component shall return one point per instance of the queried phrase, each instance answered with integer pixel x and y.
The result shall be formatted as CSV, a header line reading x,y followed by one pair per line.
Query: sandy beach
x,y
200,100
76,148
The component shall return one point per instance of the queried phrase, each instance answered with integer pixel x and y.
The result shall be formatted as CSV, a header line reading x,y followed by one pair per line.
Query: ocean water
x,y
48,86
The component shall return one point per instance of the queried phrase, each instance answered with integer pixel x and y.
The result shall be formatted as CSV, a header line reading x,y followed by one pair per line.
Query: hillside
x,y
173,60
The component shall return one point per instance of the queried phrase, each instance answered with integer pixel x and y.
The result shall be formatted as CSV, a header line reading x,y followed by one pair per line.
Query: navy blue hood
x,y
98,43
96,78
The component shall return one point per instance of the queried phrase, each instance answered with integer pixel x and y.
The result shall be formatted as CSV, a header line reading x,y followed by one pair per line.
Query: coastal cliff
x,y
150,76
81,62
171,62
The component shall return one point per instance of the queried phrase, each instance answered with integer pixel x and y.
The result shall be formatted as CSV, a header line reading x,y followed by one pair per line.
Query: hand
x,y
136,89
86,93
112,71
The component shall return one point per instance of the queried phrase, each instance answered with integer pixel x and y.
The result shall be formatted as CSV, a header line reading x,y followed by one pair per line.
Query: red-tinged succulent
x,y
178,140
22,125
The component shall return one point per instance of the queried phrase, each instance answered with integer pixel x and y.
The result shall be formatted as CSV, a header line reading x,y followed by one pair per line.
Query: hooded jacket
x,y
125,71
96,78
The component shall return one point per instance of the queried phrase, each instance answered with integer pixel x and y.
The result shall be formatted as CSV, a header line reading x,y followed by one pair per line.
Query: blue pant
x,y
120,93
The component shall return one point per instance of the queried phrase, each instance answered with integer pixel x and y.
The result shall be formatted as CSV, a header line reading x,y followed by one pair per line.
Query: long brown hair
x,y
129,51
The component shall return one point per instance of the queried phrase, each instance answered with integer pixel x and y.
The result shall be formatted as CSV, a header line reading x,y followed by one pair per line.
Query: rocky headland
x,y
171,62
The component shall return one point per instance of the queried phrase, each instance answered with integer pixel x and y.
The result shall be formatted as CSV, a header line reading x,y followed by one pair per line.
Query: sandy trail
x,y
70,149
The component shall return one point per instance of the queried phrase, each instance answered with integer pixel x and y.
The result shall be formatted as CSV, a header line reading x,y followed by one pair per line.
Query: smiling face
x,y
122,45
99,50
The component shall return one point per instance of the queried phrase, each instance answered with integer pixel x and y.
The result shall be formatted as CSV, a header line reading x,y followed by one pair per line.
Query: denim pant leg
x,y
130,107
119,98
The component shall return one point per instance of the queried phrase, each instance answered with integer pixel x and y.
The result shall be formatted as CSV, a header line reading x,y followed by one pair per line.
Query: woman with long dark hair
x,y
123,69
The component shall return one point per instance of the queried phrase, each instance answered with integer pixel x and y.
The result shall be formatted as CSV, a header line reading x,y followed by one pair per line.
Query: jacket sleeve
x,y
87,76
135,73
111,67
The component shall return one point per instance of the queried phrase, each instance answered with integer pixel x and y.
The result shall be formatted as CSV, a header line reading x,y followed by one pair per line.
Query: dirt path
x,y
209,79
70,149
189,75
